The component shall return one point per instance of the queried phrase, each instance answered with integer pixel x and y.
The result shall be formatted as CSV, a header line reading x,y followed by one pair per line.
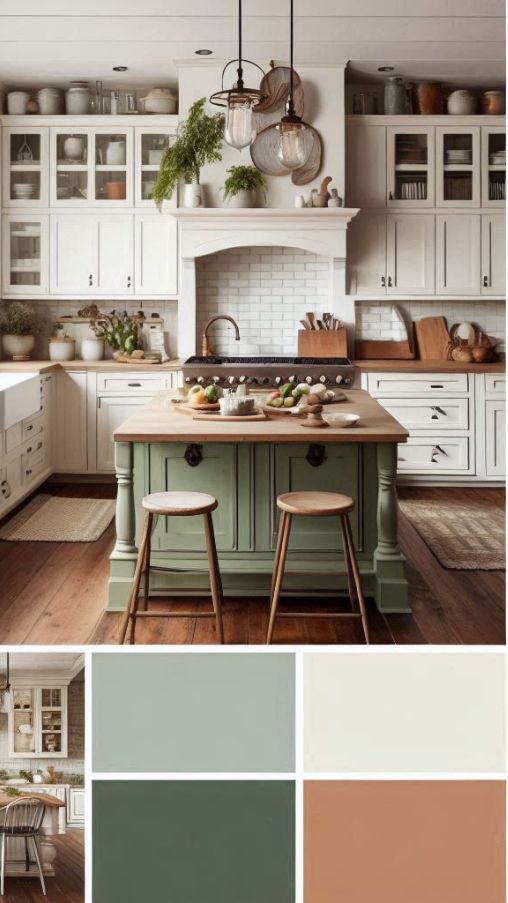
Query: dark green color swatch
x,y
188,712
193,842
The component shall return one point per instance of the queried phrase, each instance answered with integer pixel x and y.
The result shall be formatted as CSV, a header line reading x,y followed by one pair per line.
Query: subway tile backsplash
x,y
489,316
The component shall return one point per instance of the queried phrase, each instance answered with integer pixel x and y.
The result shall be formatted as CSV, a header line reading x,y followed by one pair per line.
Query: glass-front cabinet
x,y
410,165
25,154
493,166
38,722
151,142
25,254
91,167
458,166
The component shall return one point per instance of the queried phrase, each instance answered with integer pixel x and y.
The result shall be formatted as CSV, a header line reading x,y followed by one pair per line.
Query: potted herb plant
x,y
19,325
243,186
198,142
119,331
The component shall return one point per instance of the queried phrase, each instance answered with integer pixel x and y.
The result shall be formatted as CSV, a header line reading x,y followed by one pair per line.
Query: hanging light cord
x,y
240,70
291,108
7,684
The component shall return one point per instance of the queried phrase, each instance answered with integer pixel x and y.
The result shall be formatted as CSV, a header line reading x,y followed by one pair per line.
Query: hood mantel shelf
x,y
209,230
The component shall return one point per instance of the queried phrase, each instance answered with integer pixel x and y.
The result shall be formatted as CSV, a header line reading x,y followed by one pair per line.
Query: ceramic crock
x,y
17,102
493,103
50,101
77,99
395,96
427,99
192,195
461,103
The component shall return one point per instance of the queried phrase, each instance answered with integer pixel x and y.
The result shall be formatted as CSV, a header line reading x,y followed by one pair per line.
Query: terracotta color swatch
x,y
404,842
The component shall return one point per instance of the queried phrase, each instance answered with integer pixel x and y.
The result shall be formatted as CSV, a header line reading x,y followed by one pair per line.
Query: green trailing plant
x,y
119,331
26,775
244,178
18,318
11,791
198,141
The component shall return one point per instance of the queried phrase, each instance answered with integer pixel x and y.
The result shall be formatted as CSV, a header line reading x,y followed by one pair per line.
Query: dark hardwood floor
x,y
68,884
56,593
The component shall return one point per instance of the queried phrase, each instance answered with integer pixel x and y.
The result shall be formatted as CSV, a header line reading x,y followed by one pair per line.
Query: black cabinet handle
x,y
193,455
134,385
316,455
436,386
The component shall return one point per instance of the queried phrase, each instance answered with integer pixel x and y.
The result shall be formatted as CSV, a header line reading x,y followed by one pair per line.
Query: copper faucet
x,y
206,349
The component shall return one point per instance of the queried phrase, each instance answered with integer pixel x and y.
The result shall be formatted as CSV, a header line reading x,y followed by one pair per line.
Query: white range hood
x,y
208,230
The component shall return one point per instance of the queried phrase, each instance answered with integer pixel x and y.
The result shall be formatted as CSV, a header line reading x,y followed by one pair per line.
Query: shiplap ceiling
x,y
52,41
47,662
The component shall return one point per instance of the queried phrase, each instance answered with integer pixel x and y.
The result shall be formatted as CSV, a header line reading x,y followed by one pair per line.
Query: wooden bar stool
x,y
174,504
317,504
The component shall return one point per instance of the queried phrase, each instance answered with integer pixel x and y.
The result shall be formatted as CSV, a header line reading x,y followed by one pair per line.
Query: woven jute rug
x,y
50,518
463,537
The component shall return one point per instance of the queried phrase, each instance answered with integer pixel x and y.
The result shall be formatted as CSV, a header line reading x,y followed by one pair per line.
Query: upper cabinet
x,y
151,142
458,166
38,722
92,167
494,166
25,167
410,159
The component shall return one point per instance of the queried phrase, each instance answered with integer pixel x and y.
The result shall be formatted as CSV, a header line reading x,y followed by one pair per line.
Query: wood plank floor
x,y
56,593
68,884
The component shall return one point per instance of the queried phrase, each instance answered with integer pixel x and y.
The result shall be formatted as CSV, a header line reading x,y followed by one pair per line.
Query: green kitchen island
x,y
246,465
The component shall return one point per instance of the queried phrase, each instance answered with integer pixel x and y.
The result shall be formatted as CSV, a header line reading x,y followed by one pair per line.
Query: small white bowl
x,y
343,421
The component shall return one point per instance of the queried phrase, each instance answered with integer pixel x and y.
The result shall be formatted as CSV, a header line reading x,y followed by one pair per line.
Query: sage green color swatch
x,y
193,712
193,841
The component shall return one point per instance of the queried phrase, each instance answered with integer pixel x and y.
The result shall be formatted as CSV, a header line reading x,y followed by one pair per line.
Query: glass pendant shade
x,y
295,144
238,130
6,701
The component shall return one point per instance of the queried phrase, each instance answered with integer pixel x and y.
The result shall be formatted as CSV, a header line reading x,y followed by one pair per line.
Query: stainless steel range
x,y
264,372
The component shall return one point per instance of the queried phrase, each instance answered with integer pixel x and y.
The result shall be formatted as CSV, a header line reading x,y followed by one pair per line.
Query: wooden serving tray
x,y
190,409
259,415
136,361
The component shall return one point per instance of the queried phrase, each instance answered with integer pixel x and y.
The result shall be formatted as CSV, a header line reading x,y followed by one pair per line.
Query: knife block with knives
x,y
322,338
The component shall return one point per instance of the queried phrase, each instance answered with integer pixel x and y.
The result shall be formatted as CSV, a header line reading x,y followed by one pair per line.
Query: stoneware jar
x,y
17,102
493,103
62,349
428,99
92,349
159,100
77,99
50,101
395,96
461,103
192,195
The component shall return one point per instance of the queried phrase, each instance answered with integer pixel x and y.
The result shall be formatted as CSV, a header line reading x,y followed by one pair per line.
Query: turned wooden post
x,y
125,512
388,543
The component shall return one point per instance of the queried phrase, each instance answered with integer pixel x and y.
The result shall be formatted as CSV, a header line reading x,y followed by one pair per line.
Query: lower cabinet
x,y
76,807
71,423
495,433
111,412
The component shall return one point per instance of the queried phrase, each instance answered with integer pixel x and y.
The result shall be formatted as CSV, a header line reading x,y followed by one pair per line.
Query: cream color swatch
x,y
405,712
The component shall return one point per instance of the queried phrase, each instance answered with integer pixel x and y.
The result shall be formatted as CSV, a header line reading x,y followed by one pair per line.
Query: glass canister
x,y
77,99
395,96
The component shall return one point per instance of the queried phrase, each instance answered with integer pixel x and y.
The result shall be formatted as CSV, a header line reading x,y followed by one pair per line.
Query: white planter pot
x,y
62,349
192,195
92,349
18,345
241,200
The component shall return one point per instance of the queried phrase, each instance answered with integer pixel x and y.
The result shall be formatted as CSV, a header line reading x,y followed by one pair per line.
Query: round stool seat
x,y
315,504
175,504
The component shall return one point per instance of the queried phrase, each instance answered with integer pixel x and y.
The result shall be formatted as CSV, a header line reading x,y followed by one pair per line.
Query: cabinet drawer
x,y
495,384
126,383
433,455
33,426
429,384
419,414
33,462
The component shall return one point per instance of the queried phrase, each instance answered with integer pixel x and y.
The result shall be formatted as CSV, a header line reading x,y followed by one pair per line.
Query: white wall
x,y
324,109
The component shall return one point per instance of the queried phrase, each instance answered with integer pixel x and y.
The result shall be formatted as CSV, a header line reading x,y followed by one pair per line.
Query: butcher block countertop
x,y
428,367
157,421
50,801
93,366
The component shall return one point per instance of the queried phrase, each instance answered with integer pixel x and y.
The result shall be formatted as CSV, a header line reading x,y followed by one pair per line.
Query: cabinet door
x,y
70,450
458,166
156,255
410,254
115,263
458,243
73,264
71,167
410,166
25,265
493,166
111,412
217,472
495,437
366,241
113,169
493,254
25,167
366,166
76,807
150,144
338,472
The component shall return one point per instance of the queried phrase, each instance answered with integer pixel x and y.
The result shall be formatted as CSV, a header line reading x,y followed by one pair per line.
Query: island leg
x,y
124,555
392,586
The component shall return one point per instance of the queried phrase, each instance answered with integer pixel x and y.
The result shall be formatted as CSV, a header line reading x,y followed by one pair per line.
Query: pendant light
x,y
6,697
295,138
239,100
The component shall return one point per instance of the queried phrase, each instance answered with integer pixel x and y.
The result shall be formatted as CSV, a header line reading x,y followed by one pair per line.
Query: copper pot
x,y
427,99
493,103
116,191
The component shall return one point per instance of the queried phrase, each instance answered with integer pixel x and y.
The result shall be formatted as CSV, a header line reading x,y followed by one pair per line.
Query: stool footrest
x,y
318,614
175,614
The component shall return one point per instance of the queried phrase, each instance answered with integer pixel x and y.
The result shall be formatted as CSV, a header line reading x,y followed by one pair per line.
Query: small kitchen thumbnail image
x,y
42,793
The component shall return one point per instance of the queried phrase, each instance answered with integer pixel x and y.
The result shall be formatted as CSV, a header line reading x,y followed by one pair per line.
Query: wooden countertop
x,y
157,421
52,802
93,366
428,367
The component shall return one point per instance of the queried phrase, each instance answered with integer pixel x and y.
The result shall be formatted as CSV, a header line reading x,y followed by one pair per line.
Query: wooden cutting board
x,y
432,338
259,415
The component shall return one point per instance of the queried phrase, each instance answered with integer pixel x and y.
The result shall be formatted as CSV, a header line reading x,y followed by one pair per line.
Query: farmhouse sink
x,y
20,397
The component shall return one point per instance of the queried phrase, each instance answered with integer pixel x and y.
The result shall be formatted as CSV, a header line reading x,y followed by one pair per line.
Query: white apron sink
x,y
20,397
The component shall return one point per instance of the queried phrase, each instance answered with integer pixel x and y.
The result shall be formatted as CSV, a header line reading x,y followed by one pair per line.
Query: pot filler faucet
x,y
206,349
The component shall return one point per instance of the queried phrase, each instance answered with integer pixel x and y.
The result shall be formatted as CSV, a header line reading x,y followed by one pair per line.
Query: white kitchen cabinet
x,y
495,434
38,721
458,254
76,806
410,254
92,254
156,255
70,453
92,166
458,166
366,166
493,166
25,166
112,411
25,259
493,254
366,243
410,166
150,144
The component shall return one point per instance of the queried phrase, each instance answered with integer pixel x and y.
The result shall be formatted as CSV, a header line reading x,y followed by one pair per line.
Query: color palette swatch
x,y
282,777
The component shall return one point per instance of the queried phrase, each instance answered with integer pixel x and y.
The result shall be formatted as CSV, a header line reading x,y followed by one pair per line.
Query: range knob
x,y
216,380
241,380
252,380
338,380
322,379
231,380
266,381
291,379
278,380
200,380
189,380
308,380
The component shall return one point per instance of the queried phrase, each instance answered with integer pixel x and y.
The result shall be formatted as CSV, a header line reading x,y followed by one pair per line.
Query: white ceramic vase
x,y
18,345
192,195
92,349
74,147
